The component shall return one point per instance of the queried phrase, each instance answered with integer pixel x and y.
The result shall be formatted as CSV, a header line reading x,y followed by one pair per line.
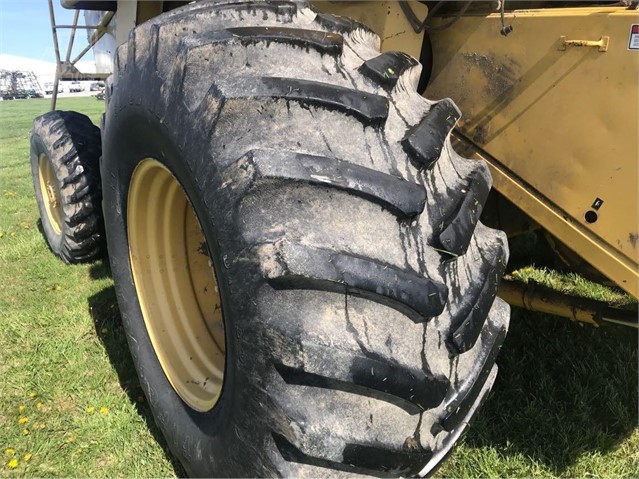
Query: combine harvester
x,y
295,239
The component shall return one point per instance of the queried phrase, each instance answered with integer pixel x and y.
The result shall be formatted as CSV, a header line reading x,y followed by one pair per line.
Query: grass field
x,y
564,404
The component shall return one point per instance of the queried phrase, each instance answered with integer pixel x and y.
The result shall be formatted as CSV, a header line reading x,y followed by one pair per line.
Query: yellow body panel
x,y
557,117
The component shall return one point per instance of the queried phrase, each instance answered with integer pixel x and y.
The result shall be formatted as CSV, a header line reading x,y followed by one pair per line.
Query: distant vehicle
x,y
20,95
33,94
75,87
48,88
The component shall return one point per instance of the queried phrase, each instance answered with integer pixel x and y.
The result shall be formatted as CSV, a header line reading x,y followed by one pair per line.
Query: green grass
x,y
61,339
564,404
573,284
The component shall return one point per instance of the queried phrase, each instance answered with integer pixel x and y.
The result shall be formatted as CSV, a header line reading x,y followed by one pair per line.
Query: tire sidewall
x,y
39,146
199,439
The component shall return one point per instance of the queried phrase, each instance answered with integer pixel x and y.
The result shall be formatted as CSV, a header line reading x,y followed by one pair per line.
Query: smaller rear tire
x,y
65,156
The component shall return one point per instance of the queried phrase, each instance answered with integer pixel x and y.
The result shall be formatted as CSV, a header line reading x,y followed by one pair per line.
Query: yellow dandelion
x,y
27,457
25,432
9,451
1,234
12,234
39,405
21,407
105,330
104,410
23,420
32,394
39,425
57,287
13,463
70,439
90,409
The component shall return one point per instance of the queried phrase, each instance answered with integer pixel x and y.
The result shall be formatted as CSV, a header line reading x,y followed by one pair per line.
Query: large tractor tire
x,y
65,156
304,283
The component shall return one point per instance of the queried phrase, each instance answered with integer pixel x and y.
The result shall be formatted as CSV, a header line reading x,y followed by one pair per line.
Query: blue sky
x,y
25,30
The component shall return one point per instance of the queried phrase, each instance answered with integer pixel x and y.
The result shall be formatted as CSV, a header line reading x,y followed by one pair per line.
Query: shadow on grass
x,y
530,248
42,233
562,390
105,313
100,269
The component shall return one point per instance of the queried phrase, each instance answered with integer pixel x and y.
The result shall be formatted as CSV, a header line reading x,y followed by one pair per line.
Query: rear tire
x,y
356,284
65,155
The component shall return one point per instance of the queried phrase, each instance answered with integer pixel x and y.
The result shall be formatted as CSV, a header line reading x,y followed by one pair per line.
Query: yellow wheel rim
x,y
176,285
50,193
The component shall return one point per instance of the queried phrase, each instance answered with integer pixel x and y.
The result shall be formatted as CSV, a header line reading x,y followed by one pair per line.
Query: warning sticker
x,y
633,42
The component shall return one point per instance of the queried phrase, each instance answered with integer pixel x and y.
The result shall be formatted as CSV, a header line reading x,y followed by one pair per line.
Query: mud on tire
x,y
65,155
357,285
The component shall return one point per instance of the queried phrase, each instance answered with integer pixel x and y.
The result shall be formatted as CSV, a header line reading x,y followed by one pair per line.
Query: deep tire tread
x,y
74,149
360,459
402,197
370,109
425,141
339,24
472,309
387,68
459,227
324,42
413,390
292,265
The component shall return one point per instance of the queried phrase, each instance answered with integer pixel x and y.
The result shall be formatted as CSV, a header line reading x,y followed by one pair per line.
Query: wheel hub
x,y
176,285
50,193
